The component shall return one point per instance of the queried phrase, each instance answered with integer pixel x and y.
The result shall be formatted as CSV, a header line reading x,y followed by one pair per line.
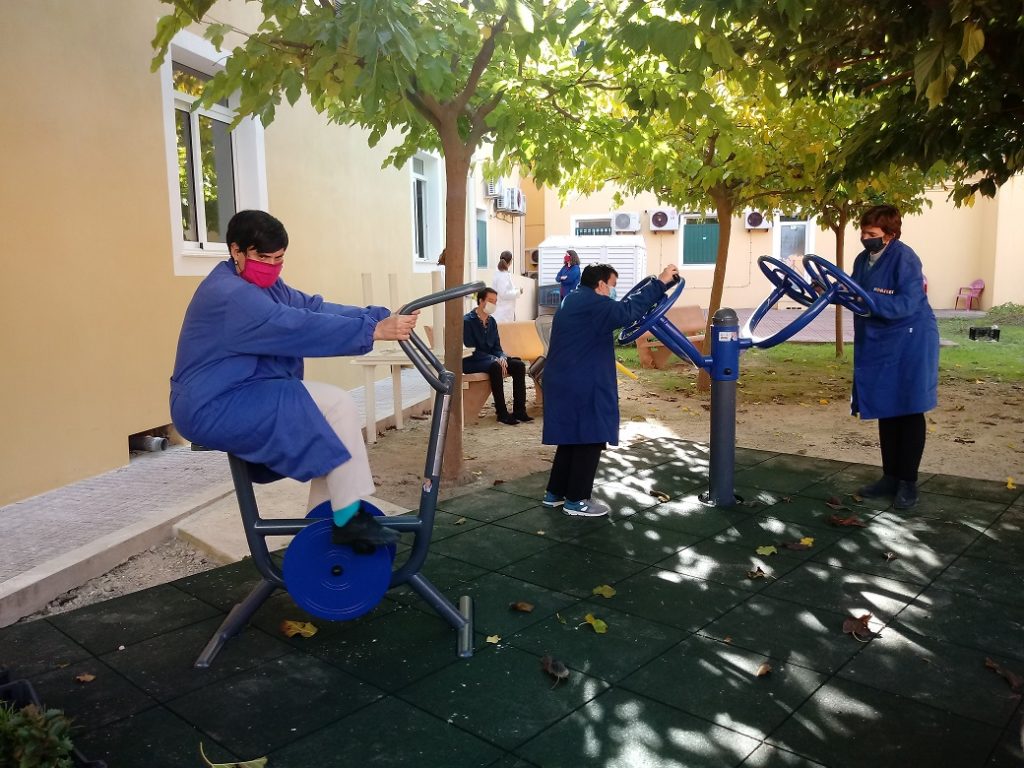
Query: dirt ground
x,y
975,432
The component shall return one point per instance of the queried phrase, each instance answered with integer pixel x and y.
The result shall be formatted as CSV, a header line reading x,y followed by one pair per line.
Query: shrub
x,y
31,737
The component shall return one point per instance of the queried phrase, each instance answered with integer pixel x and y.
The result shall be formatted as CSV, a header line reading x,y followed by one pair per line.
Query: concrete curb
x,y
31,591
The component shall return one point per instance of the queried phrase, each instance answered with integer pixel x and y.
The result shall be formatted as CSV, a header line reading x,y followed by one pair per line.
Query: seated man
x,y
480,331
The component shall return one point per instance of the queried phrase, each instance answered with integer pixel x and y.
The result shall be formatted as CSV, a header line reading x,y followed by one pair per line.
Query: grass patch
x,y
809,373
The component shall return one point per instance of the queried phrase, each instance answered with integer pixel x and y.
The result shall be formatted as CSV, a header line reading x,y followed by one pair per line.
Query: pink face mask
x,y
568,261
259,274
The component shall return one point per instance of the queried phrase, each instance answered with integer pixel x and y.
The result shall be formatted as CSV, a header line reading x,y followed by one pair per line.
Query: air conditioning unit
x,y
756,219
664,220
626,222
511,201
494,189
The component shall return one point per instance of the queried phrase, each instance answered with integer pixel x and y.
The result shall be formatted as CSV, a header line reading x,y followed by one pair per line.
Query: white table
x,y
396,358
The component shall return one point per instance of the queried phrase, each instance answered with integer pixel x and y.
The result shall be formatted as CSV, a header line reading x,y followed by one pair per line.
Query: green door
x,y
481,243
700,241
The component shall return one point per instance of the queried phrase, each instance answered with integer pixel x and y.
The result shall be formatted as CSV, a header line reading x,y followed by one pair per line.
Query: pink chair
x,y
969,294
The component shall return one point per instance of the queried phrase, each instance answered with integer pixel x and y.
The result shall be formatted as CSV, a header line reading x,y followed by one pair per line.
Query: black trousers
x,y
517,370
573,470
902,441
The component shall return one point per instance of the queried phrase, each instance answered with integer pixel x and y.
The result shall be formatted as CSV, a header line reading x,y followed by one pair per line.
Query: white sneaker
x,y
585,508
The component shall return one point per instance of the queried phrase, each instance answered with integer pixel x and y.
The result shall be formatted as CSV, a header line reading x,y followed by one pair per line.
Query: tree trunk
x,y
456,166
840,231
724,209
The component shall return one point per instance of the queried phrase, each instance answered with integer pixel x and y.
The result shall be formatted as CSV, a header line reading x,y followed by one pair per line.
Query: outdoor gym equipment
x,y
333,582
828,284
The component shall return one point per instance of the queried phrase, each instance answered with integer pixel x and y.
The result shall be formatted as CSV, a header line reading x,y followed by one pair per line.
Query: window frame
x,y
433,210
597,219
809,224
248,154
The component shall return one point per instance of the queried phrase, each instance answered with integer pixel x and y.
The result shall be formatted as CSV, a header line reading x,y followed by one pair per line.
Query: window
x,y
206,176
427,223
700,240
213,172
793,237
592,225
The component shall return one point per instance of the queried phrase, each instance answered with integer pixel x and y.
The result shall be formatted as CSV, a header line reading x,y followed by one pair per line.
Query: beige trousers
x,y
352,480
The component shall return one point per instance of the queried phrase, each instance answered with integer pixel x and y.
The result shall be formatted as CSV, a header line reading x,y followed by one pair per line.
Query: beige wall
x,y
92,308
956,246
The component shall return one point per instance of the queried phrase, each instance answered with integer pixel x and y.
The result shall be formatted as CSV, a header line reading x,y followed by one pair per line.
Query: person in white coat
x,y
506,289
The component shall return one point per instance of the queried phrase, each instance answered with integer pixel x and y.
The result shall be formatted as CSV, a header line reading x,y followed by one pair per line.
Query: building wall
x,y
92,307
956,246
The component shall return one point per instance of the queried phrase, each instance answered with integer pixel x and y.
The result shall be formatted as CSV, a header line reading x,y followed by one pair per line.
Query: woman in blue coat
x,y
581,394
568,277
895,354
238,376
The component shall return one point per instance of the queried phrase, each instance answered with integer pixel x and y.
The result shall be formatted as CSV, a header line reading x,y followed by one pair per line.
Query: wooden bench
x,y
689,320
518,339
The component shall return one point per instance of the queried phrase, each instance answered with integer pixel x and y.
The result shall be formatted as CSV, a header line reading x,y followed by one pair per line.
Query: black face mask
x,y
872,244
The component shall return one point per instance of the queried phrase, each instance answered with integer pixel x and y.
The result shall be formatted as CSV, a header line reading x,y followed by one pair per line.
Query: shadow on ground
x,y
673,682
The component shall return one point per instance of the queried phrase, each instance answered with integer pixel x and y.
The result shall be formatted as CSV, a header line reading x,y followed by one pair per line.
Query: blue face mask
x,y
613,294
872,244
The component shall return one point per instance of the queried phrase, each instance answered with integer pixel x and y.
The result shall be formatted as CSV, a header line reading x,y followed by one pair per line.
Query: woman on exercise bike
x,y
238,377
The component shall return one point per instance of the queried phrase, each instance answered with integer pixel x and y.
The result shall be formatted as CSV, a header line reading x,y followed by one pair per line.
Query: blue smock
x,y
237,383
896,349
581,393
568,278
483,339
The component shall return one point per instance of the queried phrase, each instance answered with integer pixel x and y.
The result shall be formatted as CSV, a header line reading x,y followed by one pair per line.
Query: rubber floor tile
x,y
622,729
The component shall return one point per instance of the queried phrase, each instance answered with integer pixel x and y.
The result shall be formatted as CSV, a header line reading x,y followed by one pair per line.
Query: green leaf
x,y
974,41
939,87
259,762
521,13
600,627
924,63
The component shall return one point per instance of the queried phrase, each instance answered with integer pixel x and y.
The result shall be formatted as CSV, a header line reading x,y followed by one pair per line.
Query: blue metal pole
x,y
725,370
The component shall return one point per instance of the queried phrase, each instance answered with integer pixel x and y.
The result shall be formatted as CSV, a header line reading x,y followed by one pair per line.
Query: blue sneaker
x,y
550,500
585,508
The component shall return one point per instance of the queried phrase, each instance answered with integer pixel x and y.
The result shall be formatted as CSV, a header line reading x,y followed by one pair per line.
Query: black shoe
x,y
884,487
906,495
506,419
524,416
363,533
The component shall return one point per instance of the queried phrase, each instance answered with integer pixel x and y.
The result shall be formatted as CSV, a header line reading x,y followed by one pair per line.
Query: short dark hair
x,y
596,273
482,294
885,217
256,229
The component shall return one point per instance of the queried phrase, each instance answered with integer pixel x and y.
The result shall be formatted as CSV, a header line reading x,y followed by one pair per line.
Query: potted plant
x,y
32,736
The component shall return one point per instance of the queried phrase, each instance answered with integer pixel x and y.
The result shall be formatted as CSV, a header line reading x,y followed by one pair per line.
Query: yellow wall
x,y
956,246
92,308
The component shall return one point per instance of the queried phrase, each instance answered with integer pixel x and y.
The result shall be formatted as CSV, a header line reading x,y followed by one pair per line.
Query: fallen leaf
x,y
757,573
259,762
765,551
786,499
85,677
460,521
797,545
856,497
858,627
660,496
837,505
851,521
1010,485
604,591
600,627
555,668
890,556
763,670
494,639
561,618
292,628
498,482
1016,681
522,606
808,540
727,639
823,401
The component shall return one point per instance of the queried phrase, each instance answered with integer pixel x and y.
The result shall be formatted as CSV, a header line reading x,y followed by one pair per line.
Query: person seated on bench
x,y
238,377
480,332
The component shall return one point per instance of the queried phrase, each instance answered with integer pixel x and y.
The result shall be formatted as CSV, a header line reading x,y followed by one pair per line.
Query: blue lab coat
x,y
568,278
484,341
581,393
895,350
237,383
